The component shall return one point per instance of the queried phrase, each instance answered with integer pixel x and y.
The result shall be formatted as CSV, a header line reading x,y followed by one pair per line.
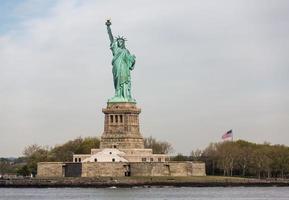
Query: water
x,y
220,193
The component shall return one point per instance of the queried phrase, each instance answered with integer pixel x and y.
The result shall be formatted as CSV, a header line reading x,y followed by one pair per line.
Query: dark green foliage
x,y
62,153
78,146
24,171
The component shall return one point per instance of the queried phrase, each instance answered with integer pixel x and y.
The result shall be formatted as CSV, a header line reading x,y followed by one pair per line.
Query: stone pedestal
x,y
121,127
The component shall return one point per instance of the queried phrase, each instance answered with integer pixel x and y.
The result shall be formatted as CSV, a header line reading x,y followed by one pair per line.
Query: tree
x,y
280,159
87,144
64,152
210,157
158,147
4,165
226,157
244,156
196,155
179,157
24,171
261,162
34,154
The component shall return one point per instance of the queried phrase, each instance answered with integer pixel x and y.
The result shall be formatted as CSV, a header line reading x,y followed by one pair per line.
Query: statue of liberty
x,y
122,62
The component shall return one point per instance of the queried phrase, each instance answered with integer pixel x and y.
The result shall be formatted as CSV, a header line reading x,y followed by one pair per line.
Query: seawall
x,y
101,182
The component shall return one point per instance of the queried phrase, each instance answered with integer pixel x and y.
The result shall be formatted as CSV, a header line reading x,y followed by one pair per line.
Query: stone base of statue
x,y
121,152
121,126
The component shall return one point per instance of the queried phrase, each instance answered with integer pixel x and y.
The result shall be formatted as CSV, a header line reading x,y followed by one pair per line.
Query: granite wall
x,y
113,169
116,169
167,169
50,169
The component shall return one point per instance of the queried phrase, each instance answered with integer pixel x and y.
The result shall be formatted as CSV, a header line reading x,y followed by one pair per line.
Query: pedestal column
x,y
121,127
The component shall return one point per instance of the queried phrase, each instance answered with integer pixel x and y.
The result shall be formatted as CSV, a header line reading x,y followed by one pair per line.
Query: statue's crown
x,y
121,38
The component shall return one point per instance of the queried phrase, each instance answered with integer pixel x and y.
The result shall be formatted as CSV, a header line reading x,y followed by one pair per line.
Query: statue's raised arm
x,y
108,23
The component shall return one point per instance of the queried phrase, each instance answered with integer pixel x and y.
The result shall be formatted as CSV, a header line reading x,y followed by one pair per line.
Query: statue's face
x,y
120,43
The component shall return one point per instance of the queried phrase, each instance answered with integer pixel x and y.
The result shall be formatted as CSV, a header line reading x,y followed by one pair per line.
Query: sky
x,y
202,68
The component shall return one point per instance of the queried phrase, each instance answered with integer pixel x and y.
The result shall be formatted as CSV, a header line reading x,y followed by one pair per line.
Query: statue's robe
x,y
122,63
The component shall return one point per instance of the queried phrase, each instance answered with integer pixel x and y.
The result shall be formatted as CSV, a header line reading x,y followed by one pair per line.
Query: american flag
x,y
228,134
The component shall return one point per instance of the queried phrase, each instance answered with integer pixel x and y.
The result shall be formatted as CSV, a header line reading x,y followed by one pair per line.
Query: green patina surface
x,y
123,62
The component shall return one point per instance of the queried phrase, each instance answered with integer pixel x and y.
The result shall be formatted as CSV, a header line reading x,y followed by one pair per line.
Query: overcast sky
x,y
203,67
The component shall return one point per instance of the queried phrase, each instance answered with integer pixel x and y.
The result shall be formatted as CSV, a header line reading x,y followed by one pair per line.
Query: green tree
x,y
24,171
34,154
64,152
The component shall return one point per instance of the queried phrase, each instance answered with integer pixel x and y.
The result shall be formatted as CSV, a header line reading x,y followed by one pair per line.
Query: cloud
x,y
203,67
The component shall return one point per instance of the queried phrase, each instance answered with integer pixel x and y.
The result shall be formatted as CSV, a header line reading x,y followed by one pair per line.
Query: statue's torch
x,y
108,23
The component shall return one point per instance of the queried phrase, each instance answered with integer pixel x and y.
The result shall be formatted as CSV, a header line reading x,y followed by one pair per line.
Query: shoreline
x,y
129,182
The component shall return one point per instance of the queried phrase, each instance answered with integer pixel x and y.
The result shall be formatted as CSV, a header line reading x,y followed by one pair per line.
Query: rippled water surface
x,y
252,193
